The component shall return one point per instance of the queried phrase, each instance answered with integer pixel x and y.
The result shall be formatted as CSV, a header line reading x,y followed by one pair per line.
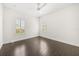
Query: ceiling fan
x,y
40,6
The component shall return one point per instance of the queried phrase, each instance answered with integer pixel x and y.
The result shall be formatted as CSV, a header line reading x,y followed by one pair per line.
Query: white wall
x,y
62,25
10,16
1,24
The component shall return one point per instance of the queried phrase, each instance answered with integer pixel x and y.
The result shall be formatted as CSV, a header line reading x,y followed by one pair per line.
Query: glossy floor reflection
x,y
38,46
20,50
44,48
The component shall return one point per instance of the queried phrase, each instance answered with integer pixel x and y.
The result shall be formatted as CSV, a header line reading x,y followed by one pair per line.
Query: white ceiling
x,y
31,8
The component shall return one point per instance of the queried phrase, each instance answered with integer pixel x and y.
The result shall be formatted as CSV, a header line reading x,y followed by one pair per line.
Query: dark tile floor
x,y
38,46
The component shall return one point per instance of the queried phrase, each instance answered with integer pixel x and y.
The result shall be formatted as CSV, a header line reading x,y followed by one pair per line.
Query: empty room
x,y
39,29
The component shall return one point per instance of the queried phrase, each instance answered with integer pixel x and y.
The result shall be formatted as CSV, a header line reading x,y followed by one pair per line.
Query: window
x,y
20,26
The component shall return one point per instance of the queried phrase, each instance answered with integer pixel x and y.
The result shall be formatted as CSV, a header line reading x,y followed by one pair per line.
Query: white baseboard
x,y
57,39
18,39
52,38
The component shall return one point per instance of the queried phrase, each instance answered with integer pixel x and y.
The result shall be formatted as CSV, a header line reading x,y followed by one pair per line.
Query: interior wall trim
x,y
19,39
56,39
